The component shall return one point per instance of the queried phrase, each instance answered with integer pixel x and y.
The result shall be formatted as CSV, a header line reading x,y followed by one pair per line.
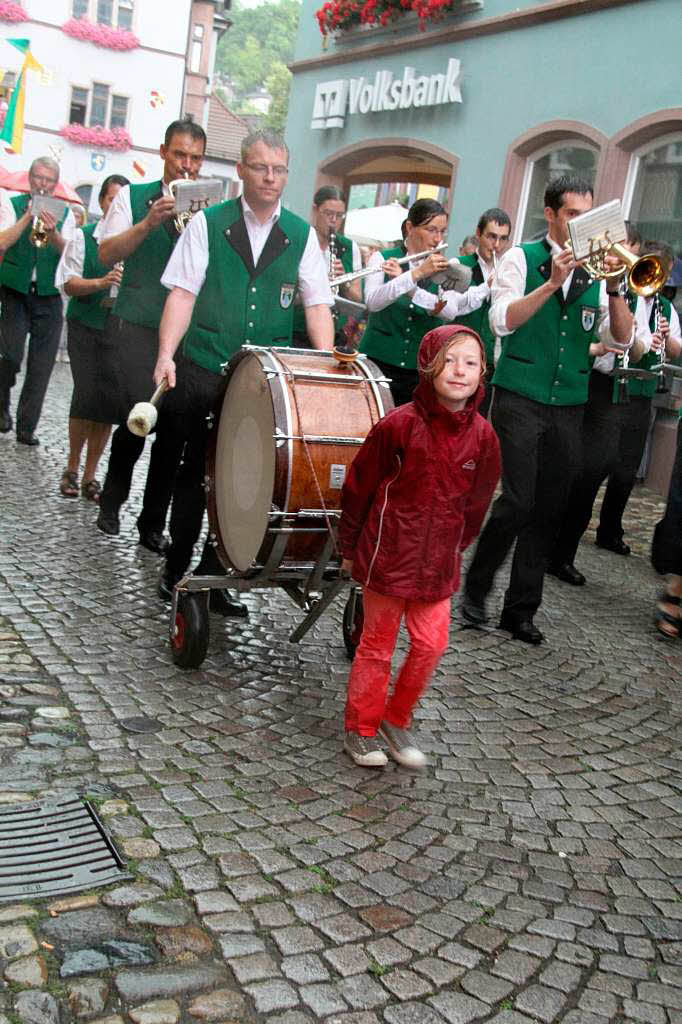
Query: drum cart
x,y
276,463
313,591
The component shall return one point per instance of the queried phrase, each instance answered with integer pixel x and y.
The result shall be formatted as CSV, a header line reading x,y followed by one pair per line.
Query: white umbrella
x,y
377,225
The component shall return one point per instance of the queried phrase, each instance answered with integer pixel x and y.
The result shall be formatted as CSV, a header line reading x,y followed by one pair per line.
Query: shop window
x,y
79,106
655,188
540,169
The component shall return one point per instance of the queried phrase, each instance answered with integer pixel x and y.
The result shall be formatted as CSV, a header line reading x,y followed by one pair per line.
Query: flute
x,y
355,274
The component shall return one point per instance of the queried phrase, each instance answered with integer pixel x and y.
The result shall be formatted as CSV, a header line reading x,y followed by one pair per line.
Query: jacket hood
x,y
424,395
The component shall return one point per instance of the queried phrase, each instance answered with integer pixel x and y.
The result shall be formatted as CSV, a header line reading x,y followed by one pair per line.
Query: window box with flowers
x,y
105,138
10,11
340,16
101,35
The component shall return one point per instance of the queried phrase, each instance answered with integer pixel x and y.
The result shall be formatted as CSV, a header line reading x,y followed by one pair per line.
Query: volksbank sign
x,y
333,100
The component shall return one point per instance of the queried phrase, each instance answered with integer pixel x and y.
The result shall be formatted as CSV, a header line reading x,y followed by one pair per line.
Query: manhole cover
x,y
55,846
140,724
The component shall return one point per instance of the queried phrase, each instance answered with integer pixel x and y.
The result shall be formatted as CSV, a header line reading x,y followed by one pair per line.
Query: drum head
x,y
245,463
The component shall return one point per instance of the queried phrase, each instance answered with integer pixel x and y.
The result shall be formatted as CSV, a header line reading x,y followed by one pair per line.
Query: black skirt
x,y
86,348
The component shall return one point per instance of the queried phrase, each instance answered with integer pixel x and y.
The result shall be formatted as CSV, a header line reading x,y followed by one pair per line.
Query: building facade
x,y
117,72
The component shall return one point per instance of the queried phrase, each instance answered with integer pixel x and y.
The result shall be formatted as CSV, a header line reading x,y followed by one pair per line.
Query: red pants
x,y
427,624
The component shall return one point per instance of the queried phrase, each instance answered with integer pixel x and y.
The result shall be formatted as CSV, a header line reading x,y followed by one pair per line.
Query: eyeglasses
x,y
43,179
278,171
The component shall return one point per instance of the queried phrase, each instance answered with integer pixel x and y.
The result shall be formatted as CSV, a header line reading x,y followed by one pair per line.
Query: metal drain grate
x,y
53,847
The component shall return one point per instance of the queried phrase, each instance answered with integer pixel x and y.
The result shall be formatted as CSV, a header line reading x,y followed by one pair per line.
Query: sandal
x,y
667,625
68,485
91,490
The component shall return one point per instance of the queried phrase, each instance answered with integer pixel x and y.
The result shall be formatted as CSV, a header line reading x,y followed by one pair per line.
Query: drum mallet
x,y
143,415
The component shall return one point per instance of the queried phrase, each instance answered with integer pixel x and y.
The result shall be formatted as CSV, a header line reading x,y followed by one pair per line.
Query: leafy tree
x,y
258,45
278,84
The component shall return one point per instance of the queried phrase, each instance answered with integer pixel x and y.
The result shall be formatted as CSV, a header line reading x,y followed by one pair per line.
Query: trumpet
x,y
645,274
355,274
182,218
38,236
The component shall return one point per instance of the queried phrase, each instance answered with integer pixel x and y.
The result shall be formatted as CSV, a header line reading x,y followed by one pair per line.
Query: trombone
x,y
336,282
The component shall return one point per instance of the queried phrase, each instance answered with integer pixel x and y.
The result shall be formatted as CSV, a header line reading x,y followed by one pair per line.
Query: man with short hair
x,y
30,302
548,313
140,232
492,235
231,280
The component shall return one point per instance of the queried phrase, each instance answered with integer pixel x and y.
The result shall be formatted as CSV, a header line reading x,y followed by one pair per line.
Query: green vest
x,y
344,251
16,270
393,335
647,388
478,320
547,358
239,304
142,296
88,309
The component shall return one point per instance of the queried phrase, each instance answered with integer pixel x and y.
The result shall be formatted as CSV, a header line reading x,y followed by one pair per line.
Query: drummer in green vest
x,y
404,303
340,254
232,280
31,304
87,281
664,325
140,231
548,314
492,238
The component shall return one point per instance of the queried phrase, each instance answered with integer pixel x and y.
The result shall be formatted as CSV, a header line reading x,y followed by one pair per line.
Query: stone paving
x,y
533,872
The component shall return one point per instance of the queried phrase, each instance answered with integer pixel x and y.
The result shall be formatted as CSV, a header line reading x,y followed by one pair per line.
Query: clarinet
x,y
333,254
661,386
623,395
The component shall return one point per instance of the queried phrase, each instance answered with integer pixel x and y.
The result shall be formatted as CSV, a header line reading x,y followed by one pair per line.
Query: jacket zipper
x,y
381,521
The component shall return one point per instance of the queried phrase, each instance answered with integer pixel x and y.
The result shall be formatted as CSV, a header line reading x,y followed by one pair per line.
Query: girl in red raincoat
x,y
415,498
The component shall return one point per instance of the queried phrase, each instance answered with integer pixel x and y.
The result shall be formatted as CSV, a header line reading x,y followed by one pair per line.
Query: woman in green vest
x,y
87,282
403,302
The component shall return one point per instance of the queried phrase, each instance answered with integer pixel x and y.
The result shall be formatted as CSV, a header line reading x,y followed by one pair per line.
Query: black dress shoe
x,y
167,581
473,614
567,573
5,422
619,547
154,541
108,522
222,603
521,629
30,439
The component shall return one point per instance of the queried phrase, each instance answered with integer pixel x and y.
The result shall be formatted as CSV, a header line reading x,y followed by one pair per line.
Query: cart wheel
x,y
353,621
189,642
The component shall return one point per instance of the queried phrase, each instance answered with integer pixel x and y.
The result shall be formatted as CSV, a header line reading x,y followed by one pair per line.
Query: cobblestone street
x,y
533,871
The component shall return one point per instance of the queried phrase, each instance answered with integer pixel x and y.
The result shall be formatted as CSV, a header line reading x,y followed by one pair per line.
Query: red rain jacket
x,y
418,490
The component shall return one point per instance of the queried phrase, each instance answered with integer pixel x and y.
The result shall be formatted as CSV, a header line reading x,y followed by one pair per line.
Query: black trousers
x,y
131,381
403,381
635,420
666,549
540,447
601,437
40,317
184,414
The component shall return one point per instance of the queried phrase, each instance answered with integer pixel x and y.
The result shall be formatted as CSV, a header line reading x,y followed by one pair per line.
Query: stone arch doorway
x,y
386,160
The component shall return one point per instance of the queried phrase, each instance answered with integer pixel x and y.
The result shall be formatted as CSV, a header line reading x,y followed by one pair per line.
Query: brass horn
x,y
646,274
38,236
181,219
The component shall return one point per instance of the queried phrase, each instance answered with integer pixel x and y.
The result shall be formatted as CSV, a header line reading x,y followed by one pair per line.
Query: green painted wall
x,y
605,69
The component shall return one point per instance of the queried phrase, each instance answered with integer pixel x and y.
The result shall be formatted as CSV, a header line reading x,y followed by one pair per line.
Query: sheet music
x,y
56,207
197,195
603,223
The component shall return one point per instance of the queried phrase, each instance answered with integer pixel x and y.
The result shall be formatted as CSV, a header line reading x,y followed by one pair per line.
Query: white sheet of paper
x,y
197,195
56,207
602,224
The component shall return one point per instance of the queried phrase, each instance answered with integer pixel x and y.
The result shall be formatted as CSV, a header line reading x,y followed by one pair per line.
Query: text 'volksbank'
x,y
333,100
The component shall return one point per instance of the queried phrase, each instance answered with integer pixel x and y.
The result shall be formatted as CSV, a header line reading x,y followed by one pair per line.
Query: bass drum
x,y
289,427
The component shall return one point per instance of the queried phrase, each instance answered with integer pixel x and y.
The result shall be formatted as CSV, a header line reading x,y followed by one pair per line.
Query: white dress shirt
x,y
188,263
509,285
606,363
120,215
72,259
379,293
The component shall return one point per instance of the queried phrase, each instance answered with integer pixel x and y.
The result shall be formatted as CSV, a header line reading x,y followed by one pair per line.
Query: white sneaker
x,y
401,746
364,750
